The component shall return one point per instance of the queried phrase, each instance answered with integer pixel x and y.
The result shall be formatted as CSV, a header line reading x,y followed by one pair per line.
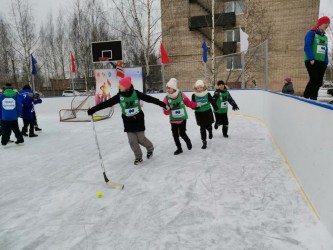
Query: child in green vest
x,y
222,97
176,102
204,114
132,114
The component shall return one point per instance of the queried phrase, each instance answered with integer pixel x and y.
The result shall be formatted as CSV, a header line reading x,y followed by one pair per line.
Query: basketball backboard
x,y
110,49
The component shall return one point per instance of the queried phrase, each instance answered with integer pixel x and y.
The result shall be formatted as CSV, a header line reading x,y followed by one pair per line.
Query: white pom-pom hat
x,y
172,83
199,83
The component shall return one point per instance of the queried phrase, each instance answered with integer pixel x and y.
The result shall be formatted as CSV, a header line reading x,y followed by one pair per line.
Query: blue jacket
x,y
27,104
308,40
11,105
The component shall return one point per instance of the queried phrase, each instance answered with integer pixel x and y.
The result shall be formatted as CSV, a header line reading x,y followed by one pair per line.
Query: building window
x,y
234,62
235,6
232,35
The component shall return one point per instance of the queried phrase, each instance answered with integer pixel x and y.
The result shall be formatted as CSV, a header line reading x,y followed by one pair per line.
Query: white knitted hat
x,y
172,83
199,83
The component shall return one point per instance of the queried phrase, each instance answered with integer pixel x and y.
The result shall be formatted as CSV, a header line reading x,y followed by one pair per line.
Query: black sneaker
x,y
178,151
149,154
216,126
24,133
225,135
137,161
204,144
19,141
38,129
33,135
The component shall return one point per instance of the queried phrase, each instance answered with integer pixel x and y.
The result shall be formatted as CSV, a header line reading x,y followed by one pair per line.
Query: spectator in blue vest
x,y
10,108
27,111
316,57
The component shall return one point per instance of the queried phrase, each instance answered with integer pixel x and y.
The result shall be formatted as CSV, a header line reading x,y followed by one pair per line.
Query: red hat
x,y
322,20
126,82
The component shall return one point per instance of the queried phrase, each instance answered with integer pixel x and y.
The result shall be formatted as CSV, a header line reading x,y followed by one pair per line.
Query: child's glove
x,y
235,107
90,112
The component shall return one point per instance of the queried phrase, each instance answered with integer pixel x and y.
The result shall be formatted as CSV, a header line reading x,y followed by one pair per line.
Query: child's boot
x,y
225,131
178,151
137,161
210,132
204,144
189,144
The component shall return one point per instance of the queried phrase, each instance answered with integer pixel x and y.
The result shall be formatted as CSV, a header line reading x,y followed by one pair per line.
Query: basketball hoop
x,y
104,61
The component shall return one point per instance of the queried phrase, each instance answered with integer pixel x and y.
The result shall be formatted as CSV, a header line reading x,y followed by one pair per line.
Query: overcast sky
x,y
42,8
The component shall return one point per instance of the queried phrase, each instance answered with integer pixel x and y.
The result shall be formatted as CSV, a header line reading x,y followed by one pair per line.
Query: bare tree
x,y
6,54
87,24
24,38
141,25
61,48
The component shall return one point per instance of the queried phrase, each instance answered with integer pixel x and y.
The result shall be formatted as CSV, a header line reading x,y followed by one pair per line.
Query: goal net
x,y
78,110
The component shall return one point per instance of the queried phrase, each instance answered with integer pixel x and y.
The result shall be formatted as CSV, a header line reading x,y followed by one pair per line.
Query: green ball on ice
x,y
99,194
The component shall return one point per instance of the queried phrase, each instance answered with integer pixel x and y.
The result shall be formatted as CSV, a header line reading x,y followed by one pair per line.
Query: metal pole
x,y
163,80
213,43
33,83
266,65
243,69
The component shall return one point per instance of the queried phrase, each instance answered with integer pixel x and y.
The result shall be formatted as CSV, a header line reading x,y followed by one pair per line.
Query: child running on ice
x,y
204,114
132,115
176,102
222,97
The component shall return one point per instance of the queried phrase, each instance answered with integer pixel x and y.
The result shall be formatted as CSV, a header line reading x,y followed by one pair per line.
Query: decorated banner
x,y
107,82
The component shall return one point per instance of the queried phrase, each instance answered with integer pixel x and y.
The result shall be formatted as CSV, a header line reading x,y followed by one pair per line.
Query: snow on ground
x,y
236,194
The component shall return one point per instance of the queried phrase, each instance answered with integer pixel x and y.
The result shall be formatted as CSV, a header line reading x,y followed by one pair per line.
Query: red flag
x,y
73,63
164,55
120,69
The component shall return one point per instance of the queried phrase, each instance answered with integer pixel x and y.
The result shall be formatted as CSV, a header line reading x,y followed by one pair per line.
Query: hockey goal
x,y
78,110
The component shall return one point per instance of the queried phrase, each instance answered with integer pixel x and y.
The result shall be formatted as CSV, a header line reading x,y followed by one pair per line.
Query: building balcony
x,y
226,20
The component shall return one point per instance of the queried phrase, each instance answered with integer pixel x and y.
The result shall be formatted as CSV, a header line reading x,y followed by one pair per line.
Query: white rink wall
x,y
303,130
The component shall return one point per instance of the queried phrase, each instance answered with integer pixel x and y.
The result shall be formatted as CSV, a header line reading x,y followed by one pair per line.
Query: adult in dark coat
x,y
288,86
27,111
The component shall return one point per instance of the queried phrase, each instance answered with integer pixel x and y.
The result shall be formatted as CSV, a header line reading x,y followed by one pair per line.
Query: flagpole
x,y
243,64
33,83
163,80
71,73
213,42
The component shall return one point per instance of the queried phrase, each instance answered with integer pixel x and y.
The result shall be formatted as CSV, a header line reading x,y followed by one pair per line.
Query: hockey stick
x,y
108,182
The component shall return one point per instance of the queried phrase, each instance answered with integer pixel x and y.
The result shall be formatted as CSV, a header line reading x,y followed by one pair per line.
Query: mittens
x,y
235,107
90,112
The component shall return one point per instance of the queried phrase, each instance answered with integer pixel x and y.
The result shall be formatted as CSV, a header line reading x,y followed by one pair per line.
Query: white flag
x,y
244,43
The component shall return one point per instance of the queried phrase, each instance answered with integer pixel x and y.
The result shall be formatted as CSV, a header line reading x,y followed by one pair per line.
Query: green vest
x,y
222,102
319,47
178,109
130,106
205,105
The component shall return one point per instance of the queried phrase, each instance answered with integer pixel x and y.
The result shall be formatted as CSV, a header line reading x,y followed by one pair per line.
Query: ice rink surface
x,y
237,194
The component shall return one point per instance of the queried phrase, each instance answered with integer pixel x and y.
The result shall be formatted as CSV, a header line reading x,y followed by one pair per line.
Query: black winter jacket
x,y
134,123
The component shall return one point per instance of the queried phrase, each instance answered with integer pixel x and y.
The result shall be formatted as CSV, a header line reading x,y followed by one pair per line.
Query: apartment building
x,y
283,23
